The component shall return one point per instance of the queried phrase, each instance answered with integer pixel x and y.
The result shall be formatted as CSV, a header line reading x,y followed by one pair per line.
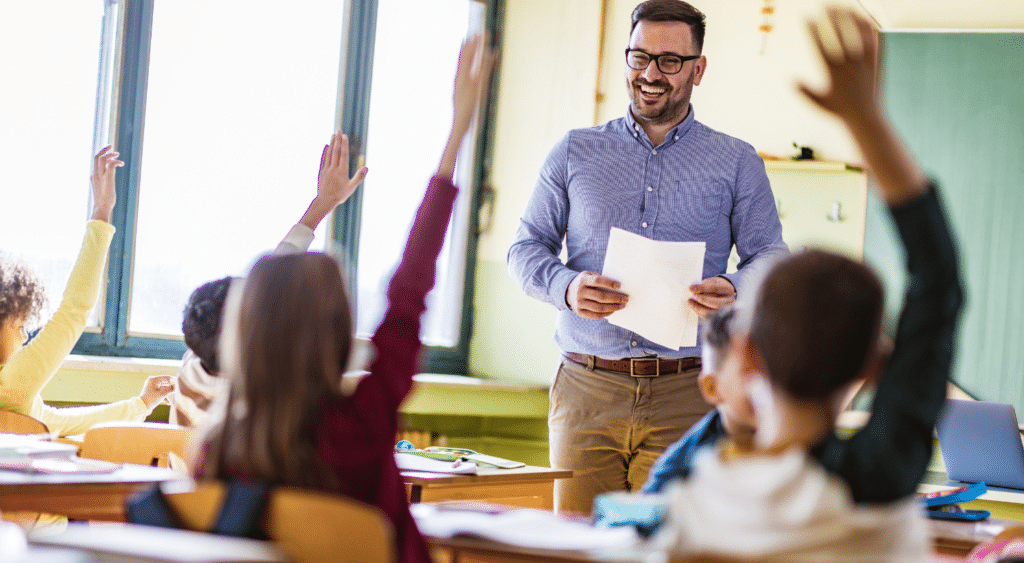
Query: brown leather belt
x,y
636,367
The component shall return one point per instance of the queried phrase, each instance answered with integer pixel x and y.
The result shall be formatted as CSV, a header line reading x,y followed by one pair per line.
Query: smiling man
x,y
618,400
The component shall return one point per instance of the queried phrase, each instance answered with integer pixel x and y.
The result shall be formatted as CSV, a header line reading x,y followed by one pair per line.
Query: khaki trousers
x,y
609,428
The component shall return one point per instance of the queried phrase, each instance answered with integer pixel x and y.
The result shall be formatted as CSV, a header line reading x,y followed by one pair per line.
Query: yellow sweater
x,y
31,368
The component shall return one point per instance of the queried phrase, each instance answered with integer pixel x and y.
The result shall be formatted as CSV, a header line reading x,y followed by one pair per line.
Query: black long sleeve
x,y
887,458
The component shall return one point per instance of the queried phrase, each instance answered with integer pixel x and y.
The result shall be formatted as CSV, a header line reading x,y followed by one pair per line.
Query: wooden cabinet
x,y
821,204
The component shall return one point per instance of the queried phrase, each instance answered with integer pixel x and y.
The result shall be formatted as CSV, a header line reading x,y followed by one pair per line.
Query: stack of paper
x,y
36,454
523,527
656,275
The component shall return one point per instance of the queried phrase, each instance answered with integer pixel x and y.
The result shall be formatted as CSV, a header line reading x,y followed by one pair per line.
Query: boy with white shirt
x,y
802,493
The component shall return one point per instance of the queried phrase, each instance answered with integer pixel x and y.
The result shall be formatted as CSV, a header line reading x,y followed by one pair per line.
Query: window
x,y
220,113
52,122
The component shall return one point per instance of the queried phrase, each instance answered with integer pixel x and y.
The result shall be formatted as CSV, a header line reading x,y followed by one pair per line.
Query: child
x,y
287,335
25,370
801,492
199,380
732,414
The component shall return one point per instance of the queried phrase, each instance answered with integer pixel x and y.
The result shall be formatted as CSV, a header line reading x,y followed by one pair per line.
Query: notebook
x,y
981,442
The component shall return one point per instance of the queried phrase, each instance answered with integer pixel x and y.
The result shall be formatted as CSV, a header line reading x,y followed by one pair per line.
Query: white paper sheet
x,y
413,462
657,276
525,527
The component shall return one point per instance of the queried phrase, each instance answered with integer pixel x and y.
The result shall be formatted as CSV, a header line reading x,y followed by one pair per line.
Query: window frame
x,y
127,111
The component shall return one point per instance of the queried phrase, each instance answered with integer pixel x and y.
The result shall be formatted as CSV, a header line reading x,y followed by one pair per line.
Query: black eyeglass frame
x,y
656,59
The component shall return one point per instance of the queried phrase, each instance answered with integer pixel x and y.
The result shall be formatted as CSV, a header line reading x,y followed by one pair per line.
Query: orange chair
x,y
17,423
144,443
312,527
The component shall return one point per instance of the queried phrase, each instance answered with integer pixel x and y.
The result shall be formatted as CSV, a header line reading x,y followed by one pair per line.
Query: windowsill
x,y
115,364
100,379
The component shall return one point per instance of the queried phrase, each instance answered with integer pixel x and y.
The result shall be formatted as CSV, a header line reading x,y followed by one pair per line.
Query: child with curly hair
x,y
26,369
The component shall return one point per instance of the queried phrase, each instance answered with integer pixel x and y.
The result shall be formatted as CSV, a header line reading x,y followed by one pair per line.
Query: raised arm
x,y
397,338
888,457
29,369
334,187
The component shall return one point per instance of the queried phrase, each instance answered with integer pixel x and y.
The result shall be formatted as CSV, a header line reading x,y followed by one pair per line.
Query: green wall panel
x,y
958,101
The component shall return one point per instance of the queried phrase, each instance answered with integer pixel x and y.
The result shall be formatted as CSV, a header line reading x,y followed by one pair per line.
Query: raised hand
x,y
593,296
476,63
852,96
104,196
334,186
852,69
711,295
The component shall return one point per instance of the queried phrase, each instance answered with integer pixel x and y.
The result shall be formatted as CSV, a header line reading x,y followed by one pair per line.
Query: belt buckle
x,y
632,367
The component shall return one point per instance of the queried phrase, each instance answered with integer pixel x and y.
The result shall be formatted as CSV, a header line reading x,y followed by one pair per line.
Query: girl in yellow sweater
x,y
26,369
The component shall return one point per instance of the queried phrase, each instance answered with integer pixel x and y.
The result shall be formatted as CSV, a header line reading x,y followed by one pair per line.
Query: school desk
x,y
79,496
1001,502
532,487
952,542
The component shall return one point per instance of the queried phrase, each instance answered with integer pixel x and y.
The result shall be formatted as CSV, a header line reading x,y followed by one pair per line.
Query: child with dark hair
x,y
732,415
26,369
801,492
199,381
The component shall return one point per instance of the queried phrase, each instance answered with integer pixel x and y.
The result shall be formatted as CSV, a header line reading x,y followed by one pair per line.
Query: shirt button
x,y
654,151
634,134
676,138
650,189
634,343
644,224
636,127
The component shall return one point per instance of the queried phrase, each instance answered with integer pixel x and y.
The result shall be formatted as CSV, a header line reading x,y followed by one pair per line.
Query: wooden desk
x,y
529,486
99,496
952,542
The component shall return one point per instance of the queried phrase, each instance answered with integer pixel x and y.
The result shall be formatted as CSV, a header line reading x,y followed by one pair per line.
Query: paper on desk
x,y
657,276
413,462
526,527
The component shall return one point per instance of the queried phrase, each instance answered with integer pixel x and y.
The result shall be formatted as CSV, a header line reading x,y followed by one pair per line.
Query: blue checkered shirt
x,y
698,185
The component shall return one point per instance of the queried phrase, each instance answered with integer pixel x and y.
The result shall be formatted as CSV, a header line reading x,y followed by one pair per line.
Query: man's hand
x,y
710,295
593,296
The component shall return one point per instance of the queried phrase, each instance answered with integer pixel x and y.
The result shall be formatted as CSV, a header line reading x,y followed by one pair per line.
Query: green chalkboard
x,y
958,100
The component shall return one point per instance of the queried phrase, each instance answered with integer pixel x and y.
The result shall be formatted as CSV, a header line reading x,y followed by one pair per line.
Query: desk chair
x,y
312,527
17,423
144,443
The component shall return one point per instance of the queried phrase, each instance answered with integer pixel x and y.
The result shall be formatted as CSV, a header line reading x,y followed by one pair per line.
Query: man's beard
x,y
670,110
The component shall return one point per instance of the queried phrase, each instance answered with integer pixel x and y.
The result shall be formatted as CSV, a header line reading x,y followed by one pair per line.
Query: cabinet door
x,y
821,209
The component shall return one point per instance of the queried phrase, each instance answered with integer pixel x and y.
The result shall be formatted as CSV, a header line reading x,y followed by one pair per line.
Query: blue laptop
x,y
981,442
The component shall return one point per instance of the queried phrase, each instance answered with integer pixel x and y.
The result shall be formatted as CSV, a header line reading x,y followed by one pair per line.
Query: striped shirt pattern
x,y
698,185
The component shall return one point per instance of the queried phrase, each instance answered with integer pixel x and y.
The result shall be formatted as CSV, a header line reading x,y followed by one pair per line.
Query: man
x,y
618,400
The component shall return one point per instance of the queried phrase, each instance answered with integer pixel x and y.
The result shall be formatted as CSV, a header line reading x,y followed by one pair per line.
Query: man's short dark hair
x,y
815,322
672,11
202,321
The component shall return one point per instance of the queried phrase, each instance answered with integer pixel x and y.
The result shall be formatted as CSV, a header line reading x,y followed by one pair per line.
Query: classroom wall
x,y
746,93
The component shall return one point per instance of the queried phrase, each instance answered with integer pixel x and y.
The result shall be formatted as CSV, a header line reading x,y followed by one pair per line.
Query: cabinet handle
x,y
836,215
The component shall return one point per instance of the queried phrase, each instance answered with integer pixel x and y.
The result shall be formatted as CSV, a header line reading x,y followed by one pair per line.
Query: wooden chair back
x,y
144,443
312,527
17,423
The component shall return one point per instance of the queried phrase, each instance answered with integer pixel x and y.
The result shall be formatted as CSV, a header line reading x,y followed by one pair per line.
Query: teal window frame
x,y
136,23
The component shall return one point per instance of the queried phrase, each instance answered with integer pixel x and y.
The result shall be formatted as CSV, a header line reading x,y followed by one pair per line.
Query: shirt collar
x,y
673,135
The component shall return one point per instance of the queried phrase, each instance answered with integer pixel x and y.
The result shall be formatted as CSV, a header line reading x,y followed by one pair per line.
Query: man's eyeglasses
x,y
667,63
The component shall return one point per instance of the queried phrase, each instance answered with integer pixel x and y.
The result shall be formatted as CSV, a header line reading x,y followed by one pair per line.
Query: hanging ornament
x,y
767,16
